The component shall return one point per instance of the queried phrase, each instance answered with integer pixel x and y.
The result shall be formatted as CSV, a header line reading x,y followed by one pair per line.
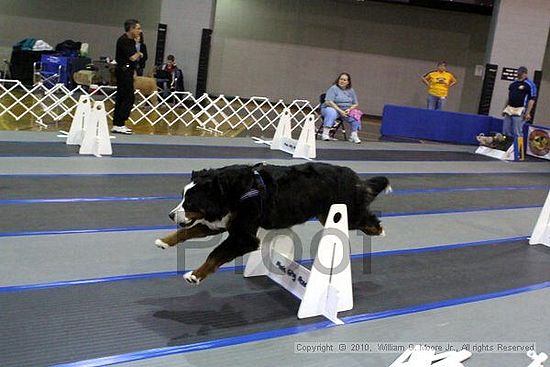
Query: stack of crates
x,y
60,69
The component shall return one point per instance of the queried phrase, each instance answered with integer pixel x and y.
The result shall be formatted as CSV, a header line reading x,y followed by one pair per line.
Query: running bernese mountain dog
x,y
239,199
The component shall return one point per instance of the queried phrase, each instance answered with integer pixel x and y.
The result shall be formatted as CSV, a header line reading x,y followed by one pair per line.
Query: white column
x,y
186,20
519,33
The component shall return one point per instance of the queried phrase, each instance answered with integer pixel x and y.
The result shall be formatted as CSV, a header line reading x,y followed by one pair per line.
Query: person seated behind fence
x,y
340,100
169,77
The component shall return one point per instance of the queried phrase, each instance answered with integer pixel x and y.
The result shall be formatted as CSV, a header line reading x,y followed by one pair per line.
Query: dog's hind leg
x,y
234,246
184,234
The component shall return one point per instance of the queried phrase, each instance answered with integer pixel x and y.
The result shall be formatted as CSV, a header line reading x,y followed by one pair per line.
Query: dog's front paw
x,y
375,231
161,244
191,279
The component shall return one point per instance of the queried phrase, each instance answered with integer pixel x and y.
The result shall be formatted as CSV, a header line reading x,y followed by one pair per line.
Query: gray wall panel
x,y
98,22
294,49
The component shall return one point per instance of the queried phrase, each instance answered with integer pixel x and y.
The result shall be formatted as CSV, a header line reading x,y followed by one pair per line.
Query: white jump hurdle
x,y
89,128
96,136
541,232
78,125
304,147
324,290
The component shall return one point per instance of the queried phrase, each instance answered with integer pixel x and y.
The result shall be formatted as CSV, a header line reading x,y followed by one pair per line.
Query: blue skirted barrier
x,y
421,123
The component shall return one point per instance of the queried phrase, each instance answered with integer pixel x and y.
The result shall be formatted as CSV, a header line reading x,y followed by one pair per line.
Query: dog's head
x,y
201,199
210,194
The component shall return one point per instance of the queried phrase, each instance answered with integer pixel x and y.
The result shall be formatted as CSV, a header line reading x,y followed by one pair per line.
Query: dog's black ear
x,y
197,174
234,181
376,185
218,184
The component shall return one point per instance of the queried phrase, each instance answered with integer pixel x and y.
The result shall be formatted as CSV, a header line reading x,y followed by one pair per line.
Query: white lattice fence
x,y
41,103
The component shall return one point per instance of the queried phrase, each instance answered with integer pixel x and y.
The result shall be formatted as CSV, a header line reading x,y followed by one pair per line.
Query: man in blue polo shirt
x,y
521,98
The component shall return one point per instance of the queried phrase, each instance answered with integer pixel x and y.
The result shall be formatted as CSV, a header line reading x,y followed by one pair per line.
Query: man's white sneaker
x,y
326,134
121,130
354,138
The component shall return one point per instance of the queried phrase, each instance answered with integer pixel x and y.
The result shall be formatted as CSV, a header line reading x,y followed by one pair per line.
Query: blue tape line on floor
x,y
451,211
167,227
85,231
401,192
266,335
418,250
86,200
28,287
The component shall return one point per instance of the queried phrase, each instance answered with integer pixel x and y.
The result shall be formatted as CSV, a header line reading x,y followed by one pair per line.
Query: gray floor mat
x,y
36,187
153,213
46,149
43,327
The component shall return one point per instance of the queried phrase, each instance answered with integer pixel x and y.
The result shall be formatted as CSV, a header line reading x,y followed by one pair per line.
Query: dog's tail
x,y
376,185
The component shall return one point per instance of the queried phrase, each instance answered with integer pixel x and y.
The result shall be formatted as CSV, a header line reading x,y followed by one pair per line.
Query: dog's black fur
x,y
240,199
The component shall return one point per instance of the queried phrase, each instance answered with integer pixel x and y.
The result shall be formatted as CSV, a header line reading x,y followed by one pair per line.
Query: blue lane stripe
x,y
168,227
86,200
441,304
66,283
56,175
468,189
451,211
266,335
85,230
417,250
176,197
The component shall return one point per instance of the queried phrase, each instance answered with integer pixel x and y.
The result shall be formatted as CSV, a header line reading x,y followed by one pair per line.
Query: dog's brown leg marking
x,y
226,252
210,266
184,234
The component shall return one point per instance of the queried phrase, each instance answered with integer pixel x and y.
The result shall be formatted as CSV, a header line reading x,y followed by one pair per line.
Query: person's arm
x,y
136,56
453,81
354,102
531,102
426,79
128,47
144,52
507,100
336,107
530,106
329,99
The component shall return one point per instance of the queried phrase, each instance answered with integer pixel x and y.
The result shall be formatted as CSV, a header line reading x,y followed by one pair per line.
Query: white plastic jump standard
x,y
96,138
541,233
324,290
304,147
83,112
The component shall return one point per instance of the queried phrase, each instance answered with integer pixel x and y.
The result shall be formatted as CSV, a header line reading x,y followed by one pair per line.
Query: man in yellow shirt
x,y
438,82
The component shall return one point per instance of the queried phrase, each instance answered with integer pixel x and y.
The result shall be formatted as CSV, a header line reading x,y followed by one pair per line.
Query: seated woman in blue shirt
x,y
339,101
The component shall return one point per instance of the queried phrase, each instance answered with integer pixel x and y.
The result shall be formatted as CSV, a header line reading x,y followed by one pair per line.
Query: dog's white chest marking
x,y
219,224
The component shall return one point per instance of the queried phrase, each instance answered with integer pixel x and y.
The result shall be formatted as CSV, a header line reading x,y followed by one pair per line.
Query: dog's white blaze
x,y
178,211
219,224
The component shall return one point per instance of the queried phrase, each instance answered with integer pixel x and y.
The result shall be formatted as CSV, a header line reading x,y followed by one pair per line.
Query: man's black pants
x,y
124,100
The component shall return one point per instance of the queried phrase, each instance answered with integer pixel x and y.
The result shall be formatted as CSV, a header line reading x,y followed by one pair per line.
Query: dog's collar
x,y
258,190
